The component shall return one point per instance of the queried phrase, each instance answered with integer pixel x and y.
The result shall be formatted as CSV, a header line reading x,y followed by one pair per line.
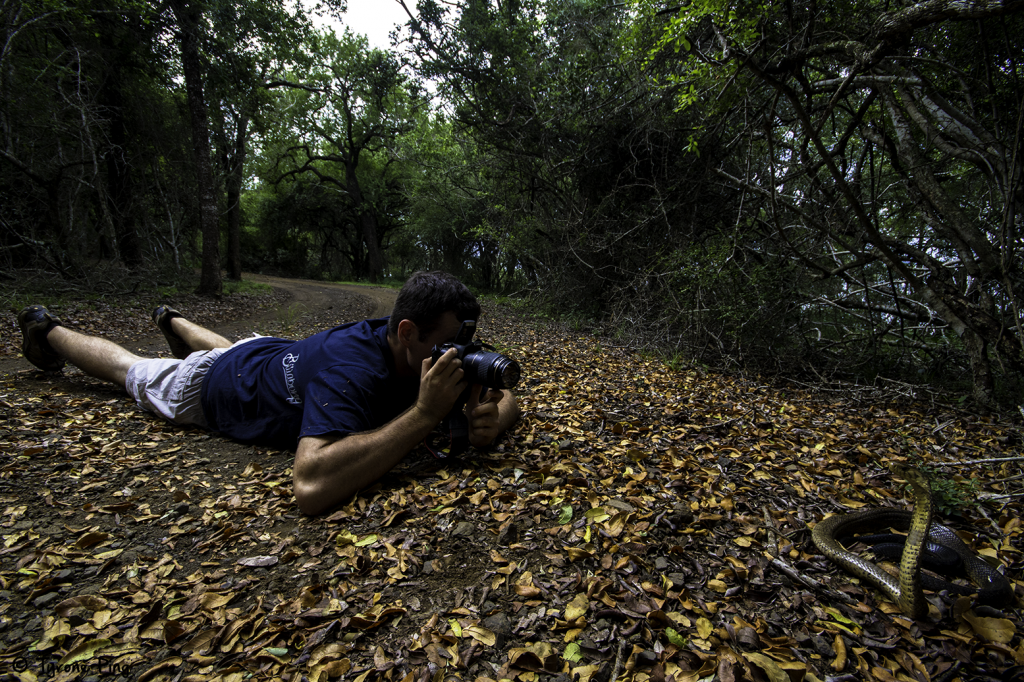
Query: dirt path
x,y
313,294
310,306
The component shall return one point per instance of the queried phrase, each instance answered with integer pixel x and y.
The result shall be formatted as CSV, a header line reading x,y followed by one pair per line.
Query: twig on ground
x,y
812,583
617,670
716,425
788,570
969,462
985,496
1006,480
995,525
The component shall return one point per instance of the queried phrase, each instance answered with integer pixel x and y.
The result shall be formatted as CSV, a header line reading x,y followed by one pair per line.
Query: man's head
x,y
428,312
426,297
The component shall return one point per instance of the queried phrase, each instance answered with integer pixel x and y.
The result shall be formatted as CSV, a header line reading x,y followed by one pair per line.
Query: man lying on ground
x,y
352,400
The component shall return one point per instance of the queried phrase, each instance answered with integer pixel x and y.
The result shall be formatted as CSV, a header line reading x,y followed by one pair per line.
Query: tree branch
x,y
895,25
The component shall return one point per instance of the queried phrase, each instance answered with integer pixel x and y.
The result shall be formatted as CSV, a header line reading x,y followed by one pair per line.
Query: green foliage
x,y
952,495
245,286
564,191
96,159
676,362
451,209
859,171
289,316
955,495
331,172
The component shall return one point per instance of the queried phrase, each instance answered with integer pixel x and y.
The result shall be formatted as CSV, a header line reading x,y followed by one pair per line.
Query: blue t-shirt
x,y
275,391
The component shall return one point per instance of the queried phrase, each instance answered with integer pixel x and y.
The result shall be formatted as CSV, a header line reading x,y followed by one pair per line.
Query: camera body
x,y
481,364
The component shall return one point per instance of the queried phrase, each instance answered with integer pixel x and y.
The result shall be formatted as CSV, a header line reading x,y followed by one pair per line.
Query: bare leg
x,y
198,338
96,357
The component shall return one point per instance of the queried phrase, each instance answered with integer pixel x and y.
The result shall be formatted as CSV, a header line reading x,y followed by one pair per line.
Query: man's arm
x,y
326,471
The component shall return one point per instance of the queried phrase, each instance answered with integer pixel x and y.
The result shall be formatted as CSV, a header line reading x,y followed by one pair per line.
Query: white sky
x,y
375,19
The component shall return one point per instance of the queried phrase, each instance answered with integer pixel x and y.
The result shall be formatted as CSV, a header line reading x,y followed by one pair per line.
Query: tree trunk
x,y
374,257
188,16
981,368
121,195
367,223
234,185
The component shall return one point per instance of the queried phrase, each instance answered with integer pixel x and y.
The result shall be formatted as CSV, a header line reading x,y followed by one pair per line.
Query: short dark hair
x,y
426,296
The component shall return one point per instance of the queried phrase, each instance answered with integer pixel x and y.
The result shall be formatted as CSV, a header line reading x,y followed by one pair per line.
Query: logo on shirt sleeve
x,y
289,378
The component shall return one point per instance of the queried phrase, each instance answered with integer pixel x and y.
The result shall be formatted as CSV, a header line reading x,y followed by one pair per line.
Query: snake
x,y
906,591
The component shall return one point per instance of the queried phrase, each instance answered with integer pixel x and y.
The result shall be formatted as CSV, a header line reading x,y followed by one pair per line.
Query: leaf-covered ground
x,y
639,523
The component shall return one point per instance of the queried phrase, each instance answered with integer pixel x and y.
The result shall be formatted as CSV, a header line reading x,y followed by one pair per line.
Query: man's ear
x,y
407,332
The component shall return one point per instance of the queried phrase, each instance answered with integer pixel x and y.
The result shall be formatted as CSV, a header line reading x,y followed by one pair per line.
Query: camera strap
x,y
458,427
454,427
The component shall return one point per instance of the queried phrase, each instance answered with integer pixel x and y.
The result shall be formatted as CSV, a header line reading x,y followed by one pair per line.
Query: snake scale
x,y
906,591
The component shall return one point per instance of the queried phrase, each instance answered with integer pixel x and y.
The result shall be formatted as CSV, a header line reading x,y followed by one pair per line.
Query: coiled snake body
x,y
906,591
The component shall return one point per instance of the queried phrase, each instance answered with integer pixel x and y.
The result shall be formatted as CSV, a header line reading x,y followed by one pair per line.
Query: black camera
x,y
485,367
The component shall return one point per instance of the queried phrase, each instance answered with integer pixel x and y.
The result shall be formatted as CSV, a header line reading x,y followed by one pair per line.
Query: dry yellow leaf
x,y
704,628
718,586
577,607
770,667
999,630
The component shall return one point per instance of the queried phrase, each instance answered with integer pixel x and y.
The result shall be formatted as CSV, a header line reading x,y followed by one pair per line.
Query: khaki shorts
x,y
173,389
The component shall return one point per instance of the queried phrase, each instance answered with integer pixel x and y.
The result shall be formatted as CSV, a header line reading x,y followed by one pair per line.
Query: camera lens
x,y
507,372
493,370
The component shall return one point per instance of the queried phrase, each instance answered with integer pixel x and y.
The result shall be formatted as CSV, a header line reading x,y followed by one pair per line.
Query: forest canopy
x,y
831,188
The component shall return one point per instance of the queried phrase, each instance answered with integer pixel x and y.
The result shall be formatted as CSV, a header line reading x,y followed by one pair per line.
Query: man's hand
x,y
483,414
441,385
